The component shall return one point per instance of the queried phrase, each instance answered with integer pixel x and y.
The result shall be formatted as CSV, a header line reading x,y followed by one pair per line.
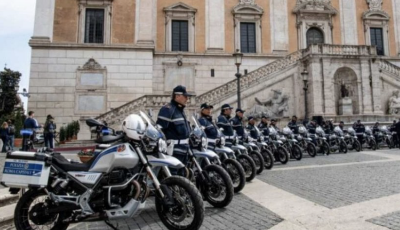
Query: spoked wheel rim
x,y
282,156
182,213
234,174
217,190
246,166
33,215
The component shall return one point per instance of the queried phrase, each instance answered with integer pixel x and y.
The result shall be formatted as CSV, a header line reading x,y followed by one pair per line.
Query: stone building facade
x,y
108,58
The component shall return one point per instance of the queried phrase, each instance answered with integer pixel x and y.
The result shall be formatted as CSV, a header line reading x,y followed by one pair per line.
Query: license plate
x,y
25,173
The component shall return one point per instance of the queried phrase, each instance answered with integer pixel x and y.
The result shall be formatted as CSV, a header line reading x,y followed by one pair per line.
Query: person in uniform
x,y
341,126
205,120
263,126
237,123
224,123
30,124
273,125
312,129
360,129
293,125
398,132
252,128
175,125
394,133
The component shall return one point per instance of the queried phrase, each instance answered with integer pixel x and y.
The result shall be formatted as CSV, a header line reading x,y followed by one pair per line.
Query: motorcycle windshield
x,y
197,131
338,131
152,131
272,131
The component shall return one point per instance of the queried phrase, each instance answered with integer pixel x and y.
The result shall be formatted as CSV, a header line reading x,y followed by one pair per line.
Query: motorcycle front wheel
x,y
236,172
186,211
357,146
268,159
219,193
326,148
296,152
249,166
31,212
311,150
372,144
343,147
283,155
258,160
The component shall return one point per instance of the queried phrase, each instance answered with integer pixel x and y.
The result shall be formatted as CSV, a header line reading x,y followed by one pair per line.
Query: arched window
x,y
314,36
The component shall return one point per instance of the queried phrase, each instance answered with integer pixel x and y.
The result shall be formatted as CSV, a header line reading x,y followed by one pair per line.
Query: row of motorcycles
x,y
134,164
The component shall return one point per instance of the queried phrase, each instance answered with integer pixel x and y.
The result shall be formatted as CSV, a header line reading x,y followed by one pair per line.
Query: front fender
x,y
224,149
239,147
205,154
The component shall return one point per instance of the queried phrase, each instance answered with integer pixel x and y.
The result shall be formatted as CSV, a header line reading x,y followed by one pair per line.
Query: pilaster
x,y
215,25
44,19
144,26
279,26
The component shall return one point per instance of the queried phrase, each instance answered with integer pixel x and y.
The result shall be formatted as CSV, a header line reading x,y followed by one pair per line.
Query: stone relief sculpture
x,y
246,2
275,107
316,2
394,103
375,4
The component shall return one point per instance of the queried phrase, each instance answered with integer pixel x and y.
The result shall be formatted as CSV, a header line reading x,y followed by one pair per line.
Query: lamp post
x,y
238,61
304,74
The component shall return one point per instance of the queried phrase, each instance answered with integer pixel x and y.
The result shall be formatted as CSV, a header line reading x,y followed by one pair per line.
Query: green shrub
x,y
62,134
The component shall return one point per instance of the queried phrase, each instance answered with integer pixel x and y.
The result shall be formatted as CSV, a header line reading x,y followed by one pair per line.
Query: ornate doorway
x,y
345,79
315,36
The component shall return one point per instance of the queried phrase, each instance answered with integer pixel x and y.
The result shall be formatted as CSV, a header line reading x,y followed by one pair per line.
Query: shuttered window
x,y
377,40
180,36
94,26
248,37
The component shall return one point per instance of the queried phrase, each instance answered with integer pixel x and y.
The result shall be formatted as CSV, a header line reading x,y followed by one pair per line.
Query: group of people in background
x,y
7,133
30,127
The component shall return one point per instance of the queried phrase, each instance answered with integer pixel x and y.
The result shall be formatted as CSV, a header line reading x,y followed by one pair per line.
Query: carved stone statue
x,y
344,91
247,2
375,4
275,107
394,103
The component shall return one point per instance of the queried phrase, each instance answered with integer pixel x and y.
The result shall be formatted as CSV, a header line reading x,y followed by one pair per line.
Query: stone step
x,y
6,198
7,207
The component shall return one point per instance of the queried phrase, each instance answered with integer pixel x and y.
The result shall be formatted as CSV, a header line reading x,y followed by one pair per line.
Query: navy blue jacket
x,y
311,128
31,123
294,127
237,125
210,130
223,122
173,121
264,128
253,131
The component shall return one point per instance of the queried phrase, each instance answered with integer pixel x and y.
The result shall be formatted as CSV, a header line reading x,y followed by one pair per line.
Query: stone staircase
x,y
214,96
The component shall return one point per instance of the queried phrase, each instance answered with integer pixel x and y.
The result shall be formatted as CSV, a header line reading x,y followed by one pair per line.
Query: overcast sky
x,y
16,28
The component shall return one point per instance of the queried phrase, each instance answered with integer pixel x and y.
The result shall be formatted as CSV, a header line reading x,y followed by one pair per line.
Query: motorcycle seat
x,y
68,166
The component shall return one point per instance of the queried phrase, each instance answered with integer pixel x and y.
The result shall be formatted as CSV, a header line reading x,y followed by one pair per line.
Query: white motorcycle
x,y
115,184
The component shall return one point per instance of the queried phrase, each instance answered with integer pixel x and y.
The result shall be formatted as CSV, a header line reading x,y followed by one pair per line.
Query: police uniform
x,y
29,124
252,129
224,122
360,129
263,127
237,124
209,128
312,129
175,125
294,127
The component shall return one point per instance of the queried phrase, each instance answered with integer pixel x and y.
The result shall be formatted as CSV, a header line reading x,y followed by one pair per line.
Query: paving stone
x,y
337,186
391,220
242,213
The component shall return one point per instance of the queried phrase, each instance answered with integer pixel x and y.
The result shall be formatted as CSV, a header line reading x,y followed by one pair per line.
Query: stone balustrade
x,y
389,67
348,50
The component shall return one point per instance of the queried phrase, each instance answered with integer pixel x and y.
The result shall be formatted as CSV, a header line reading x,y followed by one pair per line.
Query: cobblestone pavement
x,y
391,220
336,186
242,213
336,158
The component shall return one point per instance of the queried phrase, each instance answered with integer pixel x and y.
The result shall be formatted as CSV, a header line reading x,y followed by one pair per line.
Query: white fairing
x,y
206,153
166,161
116,156
86,177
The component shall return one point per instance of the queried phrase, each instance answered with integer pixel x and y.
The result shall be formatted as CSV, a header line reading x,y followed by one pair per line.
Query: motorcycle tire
x,y
372,145
343,147
357,146
268,159
23,217
296,152
167,214
311,150
219,179
236,172
248,165
283,155
389,143
326,149
258,160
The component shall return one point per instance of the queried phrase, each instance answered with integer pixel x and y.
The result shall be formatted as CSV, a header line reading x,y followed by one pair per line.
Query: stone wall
x,y
55,88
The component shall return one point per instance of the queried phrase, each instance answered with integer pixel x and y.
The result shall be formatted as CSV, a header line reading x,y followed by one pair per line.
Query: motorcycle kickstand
x,y
111,225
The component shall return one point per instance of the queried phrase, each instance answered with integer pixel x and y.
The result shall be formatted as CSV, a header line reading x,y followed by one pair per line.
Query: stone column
x,y
44,19
396,18
144,22
365,87
315,92
279,26
215,25
329,88
376,89
348,22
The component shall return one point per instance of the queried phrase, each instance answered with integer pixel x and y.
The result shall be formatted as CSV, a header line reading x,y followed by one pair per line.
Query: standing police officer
x,y
175,125
293,125
237,123
252,128
206,121
263,126
223,122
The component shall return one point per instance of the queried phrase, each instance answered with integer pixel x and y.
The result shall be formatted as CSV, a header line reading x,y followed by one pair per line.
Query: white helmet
x,y
134,127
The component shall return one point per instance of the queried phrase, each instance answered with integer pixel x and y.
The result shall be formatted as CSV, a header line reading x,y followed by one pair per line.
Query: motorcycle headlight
x,y
162,146
204,142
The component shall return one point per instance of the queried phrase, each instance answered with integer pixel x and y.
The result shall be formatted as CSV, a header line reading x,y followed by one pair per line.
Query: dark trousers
x,y
180,153
48,140
6,144
398,139
25,140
